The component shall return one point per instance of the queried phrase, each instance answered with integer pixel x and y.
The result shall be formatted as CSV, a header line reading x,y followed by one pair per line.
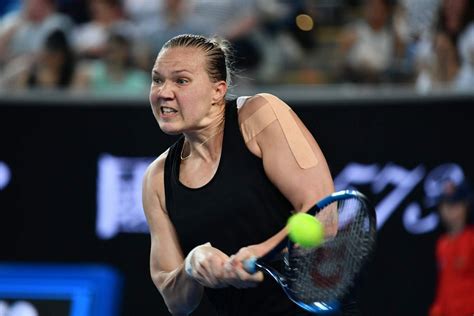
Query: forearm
x,y
181,293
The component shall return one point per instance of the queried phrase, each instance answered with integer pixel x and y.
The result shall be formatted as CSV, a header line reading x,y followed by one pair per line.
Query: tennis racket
x,y
317,278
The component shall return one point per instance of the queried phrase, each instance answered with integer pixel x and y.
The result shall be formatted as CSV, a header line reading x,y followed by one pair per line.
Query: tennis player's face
x,y
181,91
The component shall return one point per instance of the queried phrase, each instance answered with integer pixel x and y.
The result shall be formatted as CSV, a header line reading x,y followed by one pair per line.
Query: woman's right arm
x,y
180,292
181,280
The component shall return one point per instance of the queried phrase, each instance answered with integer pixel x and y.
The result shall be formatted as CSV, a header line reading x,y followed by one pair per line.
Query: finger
x,y
256,277
232,261
216,269
208,273
242,255
200,271
249,279
232,278
199,274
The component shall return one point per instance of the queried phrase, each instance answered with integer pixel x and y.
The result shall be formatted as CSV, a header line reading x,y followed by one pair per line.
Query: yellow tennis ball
x,y
305,230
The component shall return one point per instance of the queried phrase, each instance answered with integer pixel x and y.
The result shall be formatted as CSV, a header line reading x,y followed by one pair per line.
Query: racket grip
x,y
249,265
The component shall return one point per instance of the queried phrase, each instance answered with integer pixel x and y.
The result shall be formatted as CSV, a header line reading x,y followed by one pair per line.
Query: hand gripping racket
x,y
317,278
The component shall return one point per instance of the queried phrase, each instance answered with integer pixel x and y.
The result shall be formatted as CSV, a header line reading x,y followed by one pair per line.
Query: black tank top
x,y
237,208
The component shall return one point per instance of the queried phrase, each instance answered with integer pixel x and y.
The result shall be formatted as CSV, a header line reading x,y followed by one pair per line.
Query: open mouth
x,y
167,110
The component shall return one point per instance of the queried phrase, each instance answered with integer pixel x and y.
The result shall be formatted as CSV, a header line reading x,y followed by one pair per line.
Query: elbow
x,y
180,303
309,197
181,298
304,201
179,309
305,206
169,292
307,202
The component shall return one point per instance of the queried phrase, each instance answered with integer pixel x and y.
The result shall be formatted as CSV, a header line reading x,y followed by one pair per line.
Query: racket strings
x,y
325,273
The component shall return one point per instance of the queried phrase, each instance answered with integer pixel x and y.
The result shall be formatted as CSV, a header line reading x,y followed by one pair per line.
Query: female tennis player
x,y
218,195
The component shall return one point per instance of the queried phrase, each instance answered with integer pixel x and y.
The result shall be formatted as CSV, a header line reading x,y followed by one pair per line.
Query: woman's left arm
x,y
291,157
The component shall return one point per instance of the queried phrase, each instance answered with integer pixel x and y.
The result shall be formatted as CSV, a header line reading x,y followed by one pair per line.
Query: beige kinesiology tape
x,y
274,109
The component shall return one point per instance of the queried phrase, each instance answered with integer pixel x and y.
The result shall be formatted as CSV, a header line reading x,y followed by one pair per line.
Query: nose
x,y
165,91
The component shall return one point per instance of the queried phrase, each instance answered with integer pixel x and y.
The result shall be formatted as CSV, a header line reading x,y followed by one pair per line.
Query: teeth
x,y
167,110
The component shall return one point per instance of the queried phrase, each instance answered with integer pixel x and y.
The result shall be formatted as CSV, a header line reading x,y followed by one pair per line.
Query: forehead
x,y
191,59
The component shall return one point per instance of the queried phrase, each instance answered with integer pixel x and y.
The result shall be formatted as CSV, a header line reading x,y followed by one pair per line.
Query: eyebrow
x,y
173,72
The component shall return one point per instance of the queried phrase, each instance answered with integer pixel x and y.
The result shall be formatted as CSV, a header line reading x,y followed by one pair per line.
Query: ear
x,y
220,90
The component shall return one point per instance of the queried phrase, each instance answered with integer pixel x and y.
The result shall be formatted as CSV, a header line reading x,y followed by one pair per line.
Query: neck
x,y
205,143
455,230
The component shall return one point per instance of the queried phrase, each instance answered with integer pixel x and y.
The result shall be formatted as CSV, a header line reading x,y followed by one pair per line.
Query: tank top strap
x,y
170,164
233,142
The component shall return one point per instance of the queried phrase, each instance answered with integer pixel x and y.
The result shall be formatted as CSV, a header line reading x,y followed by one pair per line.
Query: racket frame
x,y
254,264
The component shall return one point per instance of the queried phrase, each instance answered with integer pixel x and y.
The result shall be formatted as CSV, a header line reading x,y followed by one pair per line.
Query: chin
x,y
171,133
168,129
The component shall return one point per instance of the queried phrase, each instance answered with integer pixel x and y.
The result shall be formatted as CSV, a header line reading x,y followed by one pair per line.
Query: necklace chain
x,y
200,144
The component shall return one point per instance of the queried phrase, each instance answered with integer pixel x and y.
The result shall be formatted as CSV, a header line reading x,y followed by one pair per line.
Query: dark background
x,y
48,211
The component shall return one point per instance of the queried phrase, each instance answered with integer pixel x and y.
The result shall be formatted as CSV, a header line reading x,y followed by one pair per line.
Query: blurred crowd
x,y
109,46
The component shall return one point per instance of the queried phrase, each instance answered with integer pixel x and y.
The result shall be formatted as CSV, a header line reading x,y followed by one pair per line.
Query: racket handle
x,y
249,265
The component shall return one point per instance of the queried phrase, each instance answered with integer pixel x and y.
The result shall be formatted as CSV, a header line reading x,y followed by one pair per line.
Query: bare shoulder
x,y
256,102
156,168
153,179
255,115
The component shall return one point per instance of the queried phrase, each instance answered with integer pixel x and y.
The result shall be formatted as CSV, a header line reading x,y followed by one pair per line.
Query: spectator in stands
x,y
115,73
464,80
54,67
455,16
367,46
413,22
155,22
145,15
465,45
90,38
441,56
235,20
289,41
23,32
455,253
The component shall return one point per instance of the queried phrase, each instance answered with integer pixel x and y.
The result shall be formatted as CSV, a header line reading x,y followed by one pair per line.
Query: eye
x,y
182,81
157,80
